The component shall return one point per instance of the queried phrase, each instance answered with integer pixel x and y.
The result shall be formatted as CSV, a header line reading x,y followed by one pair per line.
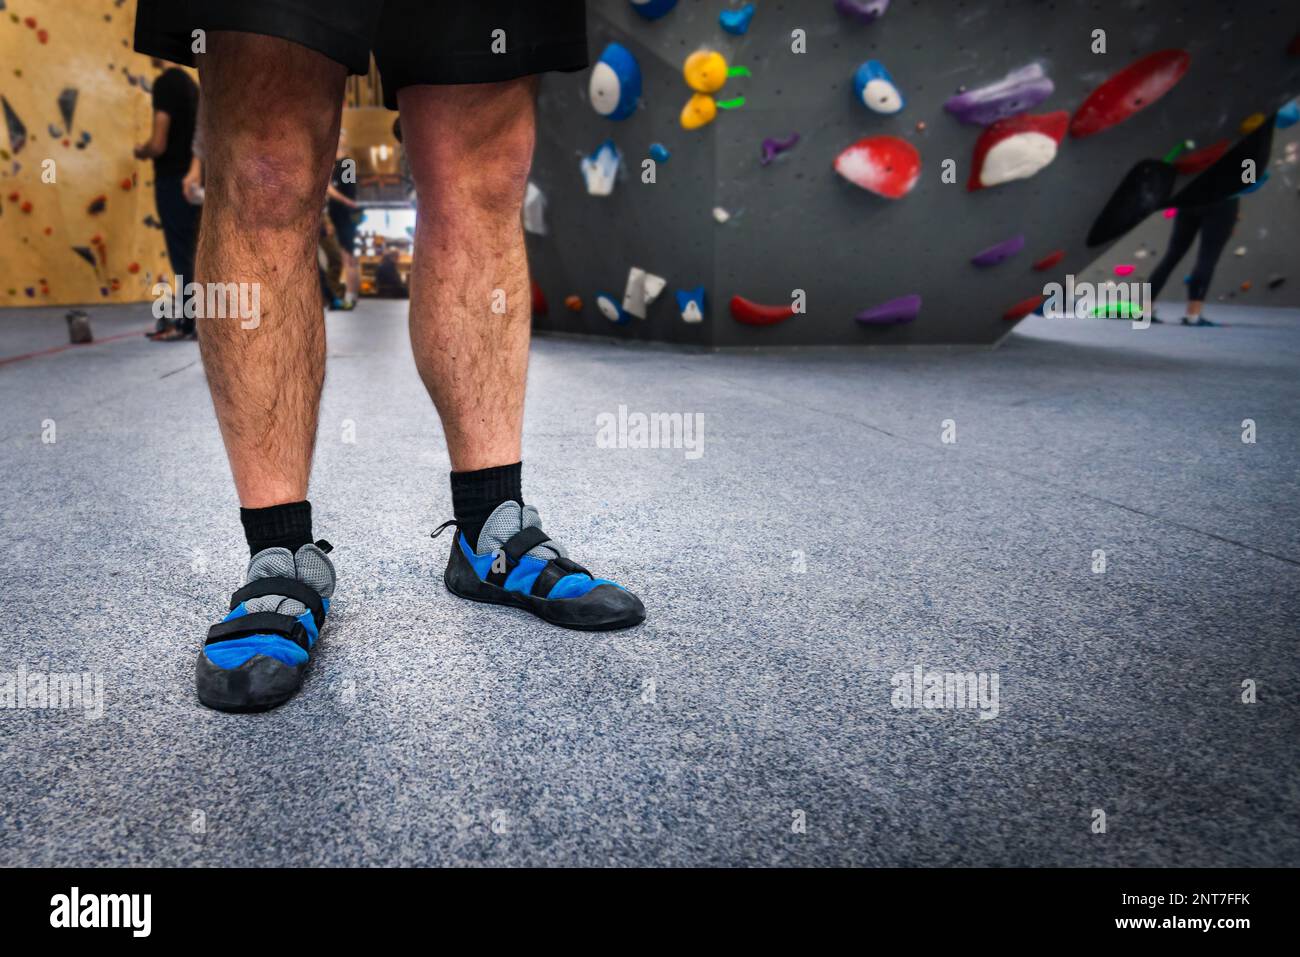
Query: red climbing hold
x,y
540,305
1023,308
753,314
1050,260
885,165
1016,148
1197,161
133,268
1133,88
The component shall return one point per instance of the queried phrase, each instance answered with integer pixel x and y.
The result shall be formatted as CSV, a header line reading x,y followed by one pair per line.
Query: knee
x,y
480,165
274,183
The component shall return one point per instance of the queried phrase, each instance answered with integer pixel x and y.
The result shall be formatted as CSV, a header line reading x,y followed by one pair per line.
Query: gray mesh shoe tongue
x,y
309,565
508,519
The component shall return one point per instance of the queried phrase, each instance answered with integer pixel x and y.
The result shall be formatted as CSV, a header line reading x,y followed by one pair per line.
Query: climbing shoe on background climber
x,y
1197,321
515,563
256,657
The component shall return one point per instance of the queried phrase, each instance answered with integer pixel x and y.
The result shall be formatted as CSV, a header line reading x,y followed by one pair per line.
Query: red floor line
x,y
5,360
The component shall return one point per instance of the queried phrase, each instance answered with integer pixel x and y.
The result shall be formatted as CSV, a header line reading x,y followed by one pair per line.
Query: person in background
x,y
192,184
175,115
1215,224
331,270
388,279
342,207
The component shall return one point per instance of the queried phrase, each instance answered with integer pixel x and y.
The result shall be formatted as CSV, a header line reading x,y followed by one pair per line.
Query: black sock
x,y
475,495
277,526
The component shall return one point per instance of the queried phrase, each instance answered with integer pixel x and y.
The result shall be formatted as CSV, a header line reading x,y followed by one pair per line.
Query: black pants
x,y
180,223
1215,224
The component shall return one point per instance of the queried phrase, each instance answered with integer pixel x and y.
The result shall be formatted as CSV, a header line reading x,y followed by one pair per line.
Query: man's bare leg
x,y
470,148
271,118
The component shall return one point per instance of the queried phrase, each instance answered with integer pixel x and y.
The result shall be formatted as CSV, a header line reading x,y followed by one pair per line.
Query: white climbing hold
x,y
720,214
642,290
600,169
534,210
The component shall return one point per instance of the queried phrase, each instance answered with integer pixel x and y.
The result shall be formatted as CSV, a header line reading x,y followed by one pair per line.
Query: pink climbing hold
x,y
1124,269
885,165
1170,213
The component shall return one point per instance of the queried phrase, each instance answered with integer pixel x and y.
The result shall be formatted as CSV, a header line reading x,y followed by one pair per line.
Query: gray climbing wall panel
x,y
796,224
1266,243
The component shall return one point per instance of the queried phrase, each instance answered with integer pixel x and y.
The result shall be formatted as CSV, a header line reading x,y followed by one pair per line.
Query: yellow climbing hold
x,y
1252,123
705,71
700,110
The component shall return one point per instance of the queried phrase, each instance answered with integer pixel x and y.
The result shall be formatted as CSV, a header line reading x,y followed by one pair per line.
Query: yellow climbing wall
x,y
47,47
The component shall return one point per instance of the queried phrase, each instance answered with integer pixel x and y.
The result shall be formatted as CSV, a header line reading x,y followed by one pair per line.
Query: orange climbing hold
x,y
573,303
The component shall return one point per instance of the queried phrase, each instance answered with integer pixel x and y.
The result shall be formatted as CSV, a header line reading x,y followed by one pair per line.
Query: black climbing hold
x,y
1144,189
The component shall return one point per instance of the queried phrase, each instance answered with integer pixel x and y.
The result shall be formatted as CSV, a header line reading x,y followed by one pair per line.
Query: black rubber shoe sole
x,y
604,608
259,684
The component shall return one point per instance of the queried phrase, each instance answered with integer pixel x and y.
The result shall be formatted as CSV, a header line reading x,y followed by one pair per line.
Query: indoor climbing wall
x,y
1261,265
822,171
74,94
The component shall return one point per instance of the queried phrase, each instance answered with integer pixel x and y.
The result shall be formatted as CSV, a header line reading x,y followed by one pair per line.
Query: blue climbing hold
x,y
615,86
690,303
876,88
659,153
1258,184
1289,115
737,21
611,309
653,9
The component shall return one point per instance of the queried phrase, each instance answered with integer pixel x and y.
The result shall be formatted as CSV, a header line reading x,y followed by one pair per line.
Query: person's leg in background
x,y
1186,224
332,272
180,226
1217,224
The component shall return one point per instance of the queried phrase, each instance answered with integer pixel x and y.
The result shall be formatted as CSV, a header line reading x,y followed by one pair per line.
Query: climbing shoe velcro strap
x,y
523,541
555,569
285,588
260,623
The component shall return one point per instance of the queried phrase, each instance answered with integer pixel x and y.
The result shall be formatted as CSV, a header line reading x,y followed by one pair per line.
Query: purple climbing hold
x,y
773,147
1019,90
1000,252
865,10
896,311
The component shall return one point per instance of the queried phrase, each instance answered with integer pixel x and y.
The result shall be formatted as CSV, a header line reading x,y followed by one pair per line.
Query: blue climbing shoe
x,y
256,657
1198,321
515,563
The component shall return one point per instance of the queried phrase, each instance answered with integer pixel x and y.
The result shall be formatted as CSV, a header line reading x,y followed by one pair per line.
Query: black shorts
x,y
415,42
